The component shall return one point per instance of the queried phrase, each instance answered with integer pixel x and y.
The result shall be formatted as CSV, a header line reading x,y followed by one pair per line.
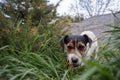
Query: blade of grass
x,y
25,73
53,68
4,47
86,74
65,75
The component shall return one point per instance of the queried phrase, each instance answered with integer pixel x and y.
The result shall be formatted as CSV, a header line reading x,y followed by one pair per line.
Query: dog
x,y
79,46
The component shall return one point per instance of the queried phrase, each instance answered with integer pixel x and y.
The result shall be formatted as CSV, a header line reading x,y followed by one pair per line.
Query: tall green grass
x,y
33,53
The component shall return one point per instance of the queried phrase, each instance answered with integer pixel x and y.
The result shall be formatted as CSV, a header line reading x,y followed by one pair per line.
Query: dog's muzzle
x,y
74,60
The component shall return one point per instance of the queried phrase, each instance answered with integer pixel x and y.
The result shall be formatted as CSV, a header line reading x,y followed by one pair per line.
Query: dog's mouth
x,y
75,65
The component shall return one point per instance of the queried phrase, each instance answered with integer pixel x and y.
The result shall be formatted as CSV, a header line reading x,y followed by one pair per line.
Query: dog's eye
x,y
69,47
80,47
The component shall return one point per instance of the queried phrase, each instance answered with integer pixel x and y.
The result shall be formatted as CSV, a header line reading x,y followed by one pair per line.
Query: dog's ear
x,y
87,39
64,41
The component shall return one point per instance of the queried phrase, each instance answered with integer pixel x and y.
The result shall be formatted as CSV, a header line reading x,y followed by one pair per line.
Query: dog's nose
x,y
74,60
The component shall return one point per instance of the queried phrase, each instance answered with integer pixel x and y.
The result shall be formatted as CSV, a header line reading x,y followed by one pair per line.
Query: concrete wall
x,y
96,24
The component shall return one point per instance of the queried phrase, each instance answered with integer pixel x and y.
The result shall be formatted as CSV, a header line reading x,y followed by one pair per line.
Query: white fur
x,y
93,48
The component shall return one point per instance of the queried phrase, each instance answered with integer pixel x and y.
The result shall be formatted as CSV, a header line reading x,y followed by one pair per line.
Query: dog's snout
x,y
74,60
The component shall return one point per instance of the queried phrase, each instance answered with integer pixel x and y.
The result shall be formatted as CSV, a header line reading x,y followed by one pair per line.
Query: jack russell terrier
x,y
79,46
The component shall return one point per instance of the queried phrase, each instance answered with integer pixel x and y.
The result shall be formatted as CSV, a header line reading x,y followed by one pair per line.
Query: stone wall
x,y
97,24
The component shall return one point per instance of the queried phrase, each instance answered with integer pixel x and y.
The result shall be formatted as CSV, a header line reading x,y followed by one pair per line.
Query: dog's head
x,y
76,47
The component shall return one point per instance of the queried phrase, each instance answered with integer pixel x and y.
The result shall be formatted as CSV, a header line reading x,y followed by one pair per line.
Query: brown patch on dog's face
x,y
74,43
70,47
81,47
